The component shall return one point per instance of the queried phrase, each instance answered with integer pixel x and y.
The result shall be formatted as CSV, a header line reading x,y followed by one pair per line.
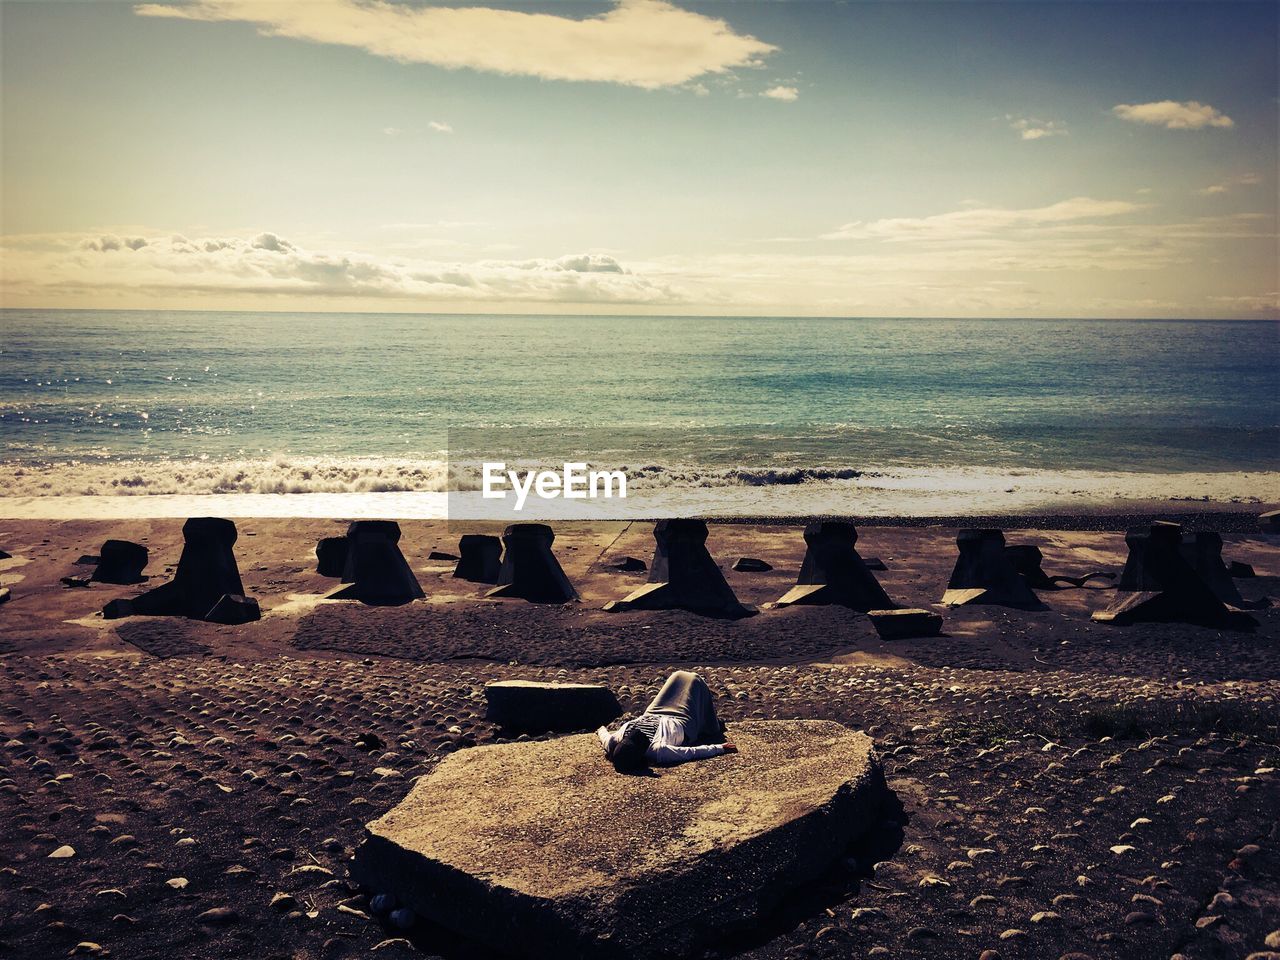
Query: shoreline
x,y
787,508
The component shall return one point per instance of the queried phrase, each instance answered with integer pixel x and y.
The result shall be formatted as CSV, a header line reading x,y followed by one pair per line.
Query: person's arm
x,y
673,755
606,739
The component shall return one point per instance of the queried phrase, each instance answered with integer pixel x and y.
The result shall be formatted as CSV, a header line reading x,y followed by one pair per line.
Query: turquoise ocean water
x,y
136,402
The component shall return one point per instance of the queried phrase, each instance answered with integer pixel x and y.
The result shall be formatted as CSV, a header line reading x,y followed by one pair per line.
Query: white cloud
x,y
271,265
980,221
1031,129
640,43
439,126
392,131
1191,115
787,94
1243,180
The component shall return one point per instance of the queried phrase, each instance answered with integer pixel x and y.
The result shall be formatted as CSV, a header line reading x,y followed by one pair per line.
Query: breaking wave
x,y
355,475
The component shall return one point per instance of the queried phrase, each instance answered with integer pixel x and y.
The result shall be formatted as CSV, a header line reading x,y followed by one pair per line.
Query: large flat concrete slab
x,y
543,845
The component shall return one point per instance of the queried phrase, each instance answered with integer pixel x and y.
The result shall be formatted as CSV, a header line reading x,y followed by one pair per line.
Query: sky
x,y
959,159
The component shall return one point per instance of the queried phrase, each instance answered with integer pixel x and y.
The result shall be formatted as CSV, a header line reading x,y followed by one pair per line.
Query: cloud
x,y
1243,180
392,131
112,242
439,126
1032,129
787,94
1191,115
981,221
640,43
268,264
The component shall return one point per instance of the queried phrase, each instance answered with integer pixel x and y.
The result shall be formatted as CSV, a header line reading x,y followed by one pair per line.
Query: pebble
x,y
218,915
63,853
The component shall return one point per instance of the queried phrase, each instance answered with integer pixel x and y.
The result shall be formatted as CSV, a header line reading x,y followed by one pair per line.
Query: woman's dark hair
x,y
629,754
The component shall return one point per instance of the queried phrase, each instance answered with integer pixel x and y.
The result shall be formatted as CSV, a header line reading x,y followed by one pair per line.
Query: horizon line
x,y
654,316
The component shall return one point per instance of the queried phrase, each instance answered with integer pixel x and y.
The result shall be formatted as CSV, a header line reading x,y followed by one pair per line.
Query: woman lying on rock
x,y
679,725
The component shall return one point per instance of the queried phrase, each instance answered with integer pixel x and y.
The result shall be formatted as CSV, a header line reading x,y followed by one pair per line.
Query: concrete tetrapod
x,y
206,573
376,571
530,571
984,573
683,575
1159,585
832,572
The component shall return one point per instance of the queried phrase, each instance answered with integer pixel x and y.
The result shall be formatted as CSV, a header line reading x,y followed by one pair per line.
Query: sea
x,y
159,413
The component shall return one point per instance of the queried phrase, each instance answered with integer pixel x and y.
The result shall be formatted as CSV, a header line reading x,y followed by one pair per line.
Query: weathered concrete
x,y
683,575
1027,559
984,574
1203,552
833,573
234,609
121,562
905,623
481,559
533,707
1159,585
376,570
206,572
530,571
331,556
544,845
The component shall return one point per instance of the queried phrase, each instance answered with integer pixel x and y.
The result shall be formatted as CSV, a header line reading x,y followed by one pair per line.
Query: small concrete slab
x,y
532,707
905,624
544,845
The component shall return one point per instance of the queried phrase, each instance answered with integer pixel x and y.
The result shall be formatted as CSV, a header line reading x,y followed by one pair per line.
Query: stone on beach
x,y
683,575
752,565
233,608
1270,521
376,572
480,560
206,573
331,556
1159,585
984,573
1241,571
545,845
833,573
530,571
905,624
532,707
121,562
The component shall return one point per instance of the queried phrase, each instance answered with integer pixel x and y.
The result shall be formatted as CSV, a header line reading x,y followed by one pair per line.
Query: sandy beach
x,y
1066,787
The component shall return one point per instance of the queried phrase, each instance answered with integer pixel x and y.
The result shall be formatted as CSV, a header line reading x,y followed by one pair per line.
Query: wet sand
x,y
1065,786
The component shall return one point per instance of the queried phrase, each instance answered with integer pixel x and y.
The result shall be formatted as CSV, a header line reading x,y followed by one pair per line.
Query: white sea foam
x,y
350,487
